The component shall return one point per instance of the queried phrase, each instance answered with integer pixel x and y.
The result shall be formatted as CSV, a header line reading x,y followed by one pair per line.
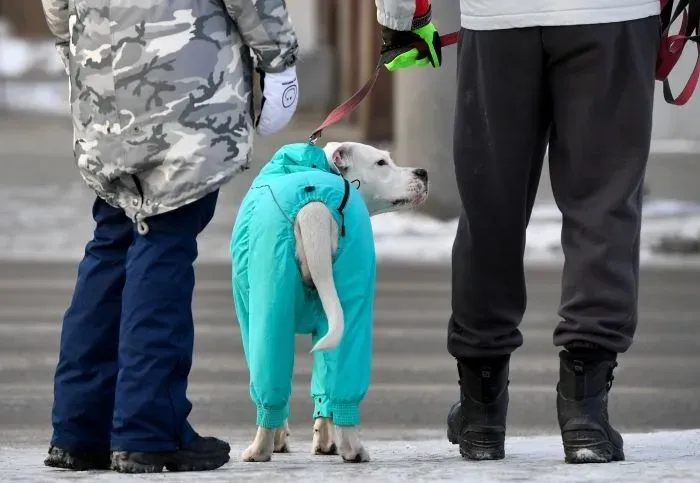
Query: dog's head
x,y
383,185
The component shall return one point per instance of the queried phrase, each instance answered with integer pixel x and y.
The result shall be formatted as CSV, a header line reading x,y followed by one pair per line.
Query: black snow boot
x,y
585,379
478,421
77,461
202,454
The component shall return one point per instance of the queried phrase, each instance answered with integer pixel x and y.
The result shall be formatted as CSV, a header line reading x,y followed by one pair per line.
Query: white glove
x,y
280,97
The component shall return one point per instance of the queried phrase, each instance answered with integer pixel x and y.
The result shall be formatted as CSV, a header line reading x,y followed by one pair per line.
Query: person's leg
x,y
502,118
86,373
602,84
150,428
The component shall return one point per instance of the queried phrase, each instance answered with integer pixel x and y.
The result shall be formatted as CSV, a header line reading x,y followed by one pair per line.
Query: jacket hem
x,y
560,18
165,206
393,22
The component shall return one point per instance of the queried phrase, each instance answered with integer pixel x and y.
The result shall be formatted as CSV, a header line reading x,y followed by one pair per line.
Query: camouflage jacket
x,y
161,92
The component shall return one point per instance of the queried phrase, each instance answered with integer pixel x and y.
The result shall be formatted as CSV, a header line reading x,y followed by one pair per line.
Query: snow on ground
x,y
651,458
20,57
53,223
31,75
414,237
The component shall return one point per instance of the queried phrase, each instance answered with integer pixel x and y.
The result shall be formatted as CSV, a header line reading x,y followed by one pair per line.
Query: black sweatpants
x,y
588,91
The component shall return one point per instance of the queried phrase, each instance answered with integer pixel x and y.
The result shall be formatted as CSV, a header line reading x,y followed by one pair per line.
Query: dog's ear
x,y
341,157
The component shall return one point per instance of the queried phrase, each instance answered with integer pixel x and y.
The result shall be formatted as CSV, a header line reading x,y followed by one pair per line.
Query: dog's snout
x,y
421,173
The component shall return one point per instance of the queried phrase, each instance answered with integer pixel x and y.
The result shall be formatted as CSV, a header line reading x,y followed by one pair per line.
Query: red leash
x,y
351,104
672,46
670,51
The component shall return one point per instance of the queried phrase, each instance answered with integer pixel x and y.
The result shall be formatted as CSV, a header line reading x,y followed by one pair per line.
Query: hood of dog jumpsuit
x,y
294,158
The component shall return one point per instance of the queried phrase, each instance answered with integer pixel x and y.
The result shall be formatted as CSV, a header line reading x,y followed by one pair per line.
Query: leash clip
x,y
313,139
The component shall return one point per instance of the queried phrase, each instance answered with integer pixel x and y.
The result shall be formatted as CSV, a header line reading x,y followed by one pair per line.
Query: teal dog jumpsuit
x,y
273,303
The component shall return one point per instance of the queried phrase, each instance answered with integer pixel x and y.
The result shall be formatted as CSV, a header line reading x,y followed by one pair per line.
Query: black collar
x,y
343,203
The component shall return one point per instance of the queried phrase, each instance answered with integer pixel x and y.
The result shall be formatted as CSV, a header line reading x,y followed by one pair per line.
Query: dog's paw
x,y
262,447
328,450
323,441
255,454
356,454
281,442
282,448
351,448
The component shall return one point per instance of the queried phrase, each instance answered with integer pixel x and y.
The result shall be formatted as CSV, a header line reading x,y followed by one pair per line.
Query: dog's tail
x,y
315,230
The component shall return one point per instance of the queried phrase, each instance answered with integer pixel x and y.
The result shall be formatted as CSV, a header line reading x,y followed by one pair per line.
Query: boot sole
x,y
74,465
604,452
124,464
478,452
452,437
67,461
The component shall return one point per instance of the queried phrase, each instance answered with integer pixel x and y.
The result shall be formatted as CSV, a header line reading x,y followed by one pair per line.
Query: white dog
x,y
384,187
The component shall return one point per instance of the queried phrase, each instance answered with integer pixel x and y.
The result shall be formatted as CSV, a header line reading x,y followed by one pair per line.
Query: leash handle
x,y
356,99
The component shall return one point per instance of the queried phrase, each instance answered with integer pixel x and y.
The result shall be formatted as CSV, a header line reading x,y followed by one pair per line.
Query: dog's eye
x,y
382,162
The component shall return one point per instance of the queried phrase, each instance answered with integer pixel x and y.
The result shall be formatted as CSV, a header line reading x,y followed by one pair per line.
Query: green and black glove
x,y
418,47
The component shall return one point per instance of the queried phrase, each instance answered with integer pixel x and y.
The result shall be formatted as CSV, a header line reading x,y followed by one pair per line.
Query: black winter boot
x,y
585,379
76,461
202,454
479,419
454,422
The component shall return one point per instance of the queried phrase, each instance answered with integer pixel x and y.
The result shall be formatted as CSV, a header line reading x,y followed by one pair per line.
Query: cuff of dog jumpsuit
x,y
322,407
271,418
345,414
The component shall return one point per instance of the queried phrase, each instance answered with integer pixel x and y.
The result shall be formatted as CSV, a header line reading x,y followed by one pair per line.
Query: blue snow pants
x,y
128,335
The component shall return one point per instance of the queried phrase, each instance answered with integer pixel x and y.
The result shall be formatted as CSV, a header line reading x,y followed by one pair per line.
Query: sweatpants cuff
x,y
271,418
345,414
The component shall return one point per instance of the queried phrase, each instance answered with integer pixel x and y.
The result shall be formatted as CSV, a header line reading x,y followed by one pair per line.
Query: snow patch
x,y
43,97
32,77
54,223
21,57
413,237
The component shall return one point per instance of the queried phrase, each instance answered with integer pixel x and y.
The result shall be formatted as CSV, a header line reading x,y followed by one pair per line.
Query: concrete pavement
x,y
414,380
651,458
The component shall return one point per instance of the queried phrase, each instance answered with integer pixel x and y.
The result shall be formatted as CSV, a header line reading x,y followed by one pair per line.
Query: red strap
x,y
689,88
356,99
422,7
671,46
